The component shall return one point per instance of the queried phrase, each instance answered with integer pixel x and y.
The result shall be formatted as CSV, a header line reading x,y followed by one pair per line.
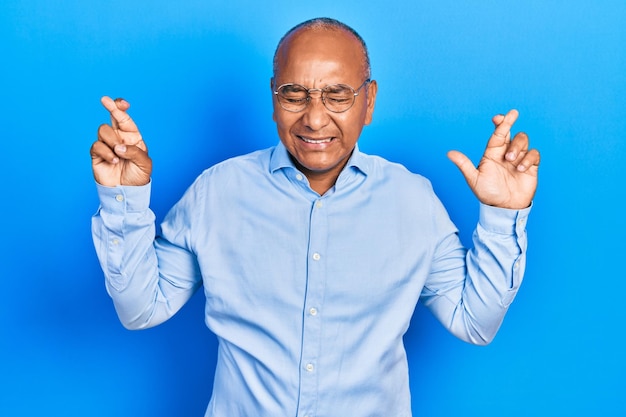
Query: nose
x,y
315,115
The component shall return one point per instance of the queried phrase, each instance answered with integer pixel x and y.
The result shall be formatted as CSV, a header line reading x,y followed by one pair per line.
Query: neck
x,y
321,181
321,185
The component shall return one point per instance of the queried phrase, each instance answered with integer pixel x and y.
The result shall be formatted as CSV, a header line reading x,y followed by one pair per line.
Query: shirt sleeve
x,y
470,291
148,278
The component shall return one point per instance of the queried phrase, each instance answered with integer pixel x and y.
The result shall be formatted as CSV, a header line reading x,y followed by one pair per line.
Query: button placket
x,y
316,283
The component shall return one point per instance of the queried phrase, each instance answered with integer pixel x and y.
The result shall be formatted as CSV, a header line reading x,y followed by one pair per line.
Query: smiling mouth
x,y
315,141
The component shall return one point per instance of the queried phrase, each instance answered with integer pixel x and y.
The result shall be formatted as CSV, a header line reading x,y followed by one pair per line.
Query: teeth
x,y
316,141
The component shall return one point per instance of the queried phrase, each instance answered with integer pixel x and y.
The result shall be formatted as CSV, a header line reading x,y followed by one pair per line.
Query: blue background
x,y
197,75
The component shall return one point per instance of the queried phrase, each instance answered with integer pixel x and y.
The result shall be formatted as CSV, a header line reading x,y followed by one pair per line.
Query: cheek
x,y
282,119
284,125
351,126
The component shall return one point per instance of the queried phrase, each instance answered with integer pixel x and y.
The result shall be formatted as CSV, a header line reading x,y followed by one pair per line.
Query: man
x,y
312,254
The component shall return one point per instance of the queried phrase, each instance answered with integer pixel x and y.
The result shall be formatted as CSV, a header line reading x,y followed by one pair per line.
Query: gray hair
x,y
325,23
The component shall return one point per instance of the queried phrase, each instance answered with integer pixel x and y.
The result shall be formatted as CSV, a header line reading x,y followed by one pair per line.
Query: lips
x,y
315,140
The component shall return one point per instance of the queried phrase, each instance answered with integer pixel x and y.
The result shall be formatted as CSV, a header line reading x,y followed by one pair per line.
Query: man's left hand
x,y
507,173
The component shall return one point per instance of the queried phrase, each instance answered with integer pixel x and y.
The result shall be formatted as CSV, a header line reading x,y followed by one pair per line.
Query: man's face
x,y
319,140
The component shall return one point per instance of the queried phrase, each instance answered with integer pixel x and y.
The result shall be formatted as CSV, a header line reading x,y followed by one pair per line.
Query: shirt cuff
x,y
124,198
503,221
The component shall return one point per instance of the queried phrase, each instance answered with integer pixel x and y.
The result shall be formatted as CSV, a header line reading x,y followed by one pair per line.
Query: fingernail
x,y
120,148
115,160
521,167
510,156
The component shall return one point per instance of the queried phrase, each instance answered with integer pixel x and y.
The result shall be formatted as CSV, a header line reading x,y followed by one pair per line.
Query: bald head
x,y
323,24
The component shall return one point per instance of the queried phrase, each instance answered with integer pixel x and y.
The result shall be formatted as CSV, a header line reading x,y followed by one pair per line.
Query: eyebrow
x,y
293,87
335,88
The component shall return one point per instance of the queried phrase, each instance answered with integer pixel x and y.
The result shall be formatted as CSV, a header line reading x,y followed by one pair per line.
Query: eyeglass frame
x,y
322,97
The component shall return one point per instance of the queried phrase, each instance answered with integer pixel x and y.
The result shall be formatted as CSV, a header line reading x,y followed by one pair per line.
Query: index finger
x,y
120,120
502,134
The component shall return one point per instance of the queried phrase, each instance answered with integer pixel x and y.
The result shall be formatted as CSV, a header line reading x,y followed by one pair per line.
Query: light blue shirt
x,y
309,295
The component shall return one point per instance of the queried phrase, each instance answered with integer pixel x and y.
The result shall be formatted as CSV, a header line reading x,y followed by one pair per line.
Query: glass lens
x,y
338,97
292,97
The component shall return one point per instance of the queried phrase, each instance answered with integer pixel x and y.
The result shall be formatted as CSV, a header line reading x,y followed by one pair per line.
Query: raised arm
x,y
473,301
148,279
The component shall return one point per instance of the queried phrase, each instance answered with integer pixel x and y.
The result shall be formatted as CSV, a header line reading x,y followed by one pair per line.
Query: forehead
x,y
320,56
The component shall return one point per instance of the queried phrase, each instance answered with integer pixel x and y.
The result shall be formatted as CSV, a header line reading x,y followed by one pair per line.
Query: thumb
x,y
131,153
465,166
140,173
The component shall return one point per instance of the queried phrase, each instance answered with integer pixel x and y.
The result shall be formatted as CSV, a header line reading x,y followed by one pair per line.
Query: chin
x,y
321,168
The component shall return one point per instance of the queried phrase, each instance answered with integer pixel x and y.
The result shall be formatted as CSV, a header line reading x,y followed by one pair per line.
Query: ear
x,y
273,103
371,91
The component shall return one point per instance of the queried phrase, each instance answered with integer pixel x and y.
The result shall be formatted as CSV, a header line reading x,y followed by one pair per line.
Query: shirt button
x,y
119,197
319,204
316,256
516,265
309,367
313,311
299,177
521,222
115,242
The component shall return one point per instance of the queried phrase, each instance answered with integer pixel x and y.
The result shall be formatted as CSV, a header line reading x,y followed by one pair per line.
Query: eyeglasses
x,y
337,98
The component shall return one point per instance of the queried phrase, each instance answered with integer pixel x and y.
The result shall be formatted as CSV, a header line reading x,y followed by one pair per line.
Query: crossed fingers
x,y
501,148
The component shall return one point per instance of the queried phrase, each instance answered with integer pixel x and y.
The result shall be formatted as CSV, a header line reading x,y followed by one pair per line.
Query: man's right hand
x,y
120,156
